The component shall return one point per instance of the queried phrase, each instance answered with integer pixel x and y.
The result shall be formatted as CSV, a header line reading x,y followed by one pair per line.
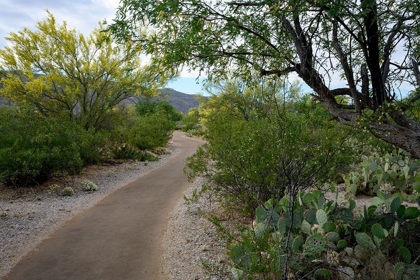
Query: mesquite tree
x,y
372,45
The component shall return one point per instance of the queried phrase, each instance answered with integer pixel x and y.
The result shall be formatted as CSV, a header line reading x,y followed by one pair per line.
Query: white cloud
x,y
82,15
191,74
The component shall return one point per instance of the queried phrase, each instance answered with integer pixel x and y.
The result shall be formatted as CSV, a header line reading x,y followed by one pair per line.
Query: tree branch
x,y
279,73
245,4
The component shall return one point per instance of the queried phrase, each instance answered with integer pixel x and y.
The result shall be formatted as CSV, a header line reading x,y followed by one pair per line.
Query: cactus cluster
x,y
89,186
391,173
68,191
317,228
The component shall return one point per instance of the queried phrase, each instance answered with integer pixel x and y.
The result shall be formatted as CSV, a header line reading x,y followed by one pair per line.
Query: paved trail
x,y
118,238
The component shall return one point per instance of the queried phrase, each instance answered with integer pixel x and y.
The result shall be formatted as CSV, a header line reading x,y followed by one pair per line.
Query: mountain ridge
x,y
181,101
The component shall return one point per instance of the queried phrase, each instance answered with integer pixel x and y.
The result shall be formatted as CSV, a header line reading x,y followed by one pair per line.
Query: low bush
x,y
68,191
89,186
125,151
149,107
150,131
161,151
191,123
252,156
33,148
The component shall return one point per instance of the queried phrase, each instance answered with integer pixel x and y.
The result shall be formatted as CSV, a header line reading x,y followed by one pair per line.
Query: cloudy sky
x,y
83,15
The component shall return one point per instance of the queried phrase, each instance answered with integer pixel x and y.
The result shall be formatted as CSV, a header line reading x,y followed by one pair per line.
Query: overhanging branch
x,y
279,73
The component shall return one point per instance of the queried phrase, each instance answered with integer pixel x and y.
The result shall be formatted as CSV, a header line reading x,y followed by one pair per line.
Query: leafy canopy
x,y
372,45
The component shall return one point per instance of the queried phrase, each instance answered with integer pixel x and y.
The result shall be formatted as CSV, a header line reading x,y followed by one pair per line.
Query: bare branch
x,y
416,70
246,4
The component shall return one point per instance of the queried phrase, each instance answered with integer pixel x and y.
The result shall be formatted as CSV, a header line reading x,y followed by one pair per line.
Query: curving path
x,y
118,238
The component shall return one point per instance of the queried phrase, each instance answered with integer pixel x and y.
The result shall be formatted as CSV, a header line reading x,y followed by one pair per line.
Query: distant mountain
x,y
181,101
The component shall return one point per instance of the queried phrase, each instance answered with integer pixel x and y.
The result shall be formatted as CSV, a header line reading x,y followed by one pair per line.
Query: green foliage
x,y
150,131
65,74
406,271
191,123
55,188
391,173
148,107
277,38
262,250
68,191
257,145
125,151
32,147
322,273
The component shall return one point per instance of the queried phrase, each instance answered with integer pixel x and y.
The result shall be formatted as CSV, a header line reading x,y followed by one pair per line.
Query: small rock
x,y
360,253
350,261
345,273
349,251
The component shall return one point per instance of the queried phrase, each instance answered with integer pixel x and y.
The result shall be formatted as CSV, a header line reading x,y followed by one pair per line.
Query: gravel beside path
x,y
190,239
30,217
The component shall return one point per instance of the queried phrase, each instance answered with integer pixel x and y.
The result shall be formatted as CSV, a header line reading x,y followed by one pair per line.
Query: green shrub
x,y
150,131
254,156
33,148
146,156
55,188
149,107
89,186
161,151
191,122
146,128
125,151
68,191
91,144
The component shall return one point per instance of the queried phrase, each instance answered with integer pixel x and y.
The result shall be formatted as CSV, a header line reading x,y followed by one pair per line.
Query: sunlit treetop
x,y
60,71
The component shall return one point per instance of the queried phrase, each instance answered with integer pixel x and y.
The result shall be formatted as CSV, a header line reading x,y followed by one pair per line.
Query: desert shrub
x,y
68,191
125,151
55,188
89,186
191,123
255,152
315,237
150,131
161,151
146,127
147,156
148,107
91,143
33,148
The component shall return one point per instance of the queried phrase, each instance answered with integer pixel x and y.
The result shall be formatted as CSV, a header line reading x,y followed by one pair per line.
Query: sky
x,y
83,15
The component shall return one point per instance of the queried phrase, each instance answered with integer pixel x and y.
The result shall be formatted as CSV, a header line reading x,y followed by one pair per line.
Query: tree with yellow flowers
x,y
63,73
